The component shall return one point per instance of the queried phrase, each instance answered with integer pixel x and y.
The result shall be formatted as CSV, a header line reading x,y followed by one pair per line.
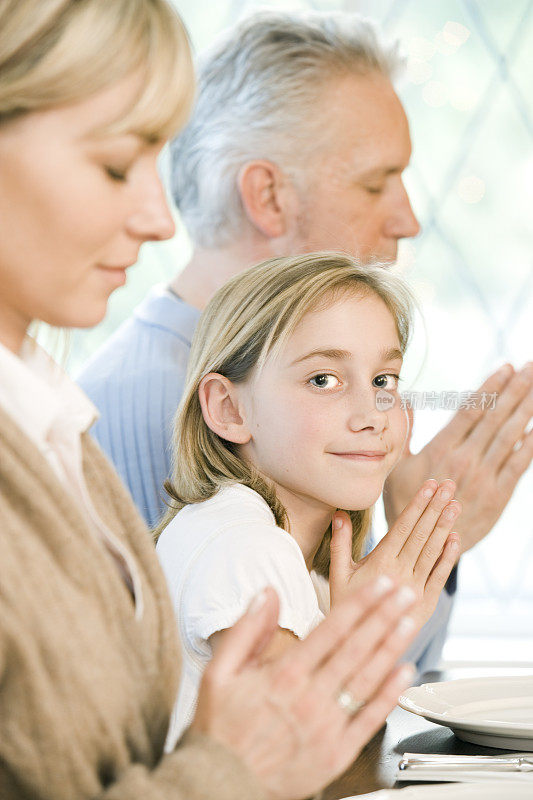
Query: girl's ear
x,y
219,400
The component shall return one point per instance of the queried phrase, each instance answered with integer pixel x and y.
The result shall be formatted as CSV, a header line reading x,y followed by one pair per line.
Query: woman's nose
x,y
152,220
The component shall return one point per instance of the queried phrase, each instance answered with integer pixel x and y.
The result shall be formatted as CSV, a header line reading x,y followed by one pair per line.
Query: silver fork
x,y
420,762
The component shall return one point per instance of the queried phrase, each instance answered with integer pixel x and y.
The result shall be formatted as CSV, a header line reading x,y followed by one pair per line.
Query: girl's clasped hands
x,y
419,550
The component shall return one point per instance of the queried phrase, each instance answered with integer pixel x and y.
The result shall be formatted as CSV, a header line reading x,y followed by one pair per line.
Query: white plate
x,y
454,791
495,712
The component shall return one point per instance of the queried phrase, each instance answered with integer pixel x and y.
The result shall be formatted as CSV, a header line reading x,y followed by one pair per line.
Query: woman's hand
x,y
284,718
418,551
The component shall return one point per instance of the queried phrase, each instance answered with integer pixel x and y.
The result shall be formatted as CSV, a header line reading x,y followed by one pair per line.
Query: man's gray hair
x,y
258,86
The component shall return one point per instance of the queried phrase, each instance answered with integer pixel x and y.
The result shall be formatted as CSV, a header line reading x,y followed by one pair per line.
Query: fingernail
x,y
450,513
258,602
445,494
382,585
404,596
405,626
337,522
429,491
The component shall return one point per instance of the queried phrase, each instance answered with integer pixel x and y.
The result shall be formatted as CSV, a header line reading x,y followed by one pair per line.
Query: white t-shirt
x,y
217,555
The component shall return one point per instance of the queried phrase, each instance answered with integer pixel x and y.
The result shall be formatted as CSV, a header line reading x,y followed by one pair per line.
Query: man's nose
x,y
403,223
152,220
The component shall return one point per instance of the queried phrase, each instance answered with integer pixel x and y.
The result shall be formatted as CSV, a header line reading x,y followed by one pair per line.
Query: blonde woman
x,y
292,412
89,660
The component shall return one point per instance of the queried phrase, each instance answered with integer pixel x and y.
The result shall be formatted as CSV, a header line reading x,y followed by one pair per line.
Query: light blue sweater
x,y
136,380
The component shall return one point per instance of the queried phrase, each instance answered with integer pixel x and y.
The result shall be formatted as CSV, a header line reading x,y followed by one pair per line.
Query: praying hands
x,y
419,550
484,450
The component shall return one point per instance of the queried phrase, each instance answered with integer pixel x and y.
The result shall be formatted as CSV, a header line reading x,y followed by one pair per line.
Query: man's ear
x,y
220,408
267,196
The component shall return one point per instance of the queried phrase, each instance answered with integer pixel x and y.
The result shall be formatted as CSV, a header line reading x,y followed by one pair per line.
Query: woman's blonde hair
x,y
248,320
55,52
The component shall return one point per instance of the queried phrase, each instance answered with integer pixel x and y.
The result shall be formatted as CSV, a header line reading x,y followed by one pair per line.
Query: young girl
x,y
291,412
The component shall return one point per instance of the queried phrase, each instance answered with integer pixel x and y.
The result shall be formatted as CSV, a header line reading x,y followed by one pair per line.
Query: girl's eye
x,y
324,381
388,381
116,174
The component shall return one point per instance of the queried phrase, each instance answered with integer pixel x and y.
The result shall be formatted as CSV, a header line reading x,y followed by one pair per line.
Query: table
x,y
375,768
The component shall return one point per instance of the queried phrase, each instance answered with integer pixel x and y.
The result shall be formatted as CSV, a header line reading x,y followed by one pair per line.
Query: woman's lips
x,y
115,275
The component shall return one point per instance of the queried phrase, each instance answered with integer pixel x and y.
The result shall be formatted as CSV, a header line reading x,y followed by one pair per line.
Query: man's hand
x,y
419,551
485,451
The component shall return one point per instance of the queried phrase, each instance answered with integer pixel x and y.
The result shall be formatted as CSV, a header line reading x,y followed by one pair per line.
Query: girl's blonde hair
x,y
248,320
55,52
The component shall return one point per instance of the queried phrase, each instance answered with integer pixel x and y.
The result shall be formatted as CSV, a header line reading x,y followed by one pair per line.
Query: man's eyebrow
x,y
381,172
334,354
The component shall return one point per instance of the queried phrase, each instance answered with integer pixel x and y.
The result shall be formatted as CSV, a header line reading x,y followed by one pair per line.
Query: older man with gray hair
x,y
295,132
297,143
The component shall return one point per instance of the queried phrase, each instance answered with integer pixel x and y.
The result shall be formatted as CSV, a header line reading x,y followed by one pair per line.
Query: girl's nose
x,y
367,414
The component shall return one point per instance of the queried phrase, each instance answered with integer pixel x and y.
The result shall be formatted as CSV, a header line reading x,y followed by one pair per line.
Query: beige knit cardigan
x,y
86,690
